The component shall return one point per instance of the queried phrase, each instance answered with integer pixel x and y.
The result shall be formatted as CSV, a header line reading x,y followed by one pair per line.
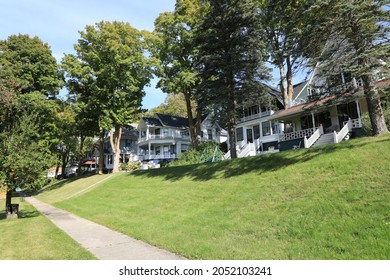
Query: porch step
x,y
325,139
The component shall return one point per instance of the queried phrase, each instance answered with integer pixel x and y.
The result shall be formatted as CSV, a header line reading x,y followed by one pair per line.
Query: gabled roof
x,y
298,88
131,133
173,121
152,121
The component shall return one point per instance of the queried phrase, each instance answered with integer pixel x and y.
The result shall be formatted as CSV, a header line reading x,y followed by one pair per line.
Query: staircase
x,y
325,139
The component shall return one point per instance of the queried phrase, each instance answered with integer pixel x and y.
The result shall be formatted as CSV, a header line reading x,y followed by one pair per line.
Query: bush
x,y
123,167
129,166
133,165
366,123
208,151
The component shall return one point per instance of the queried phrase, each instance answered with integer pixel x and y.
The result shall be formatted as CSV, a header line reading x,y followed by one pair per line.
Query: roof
x,y
152,121
131,133
298,88
173,121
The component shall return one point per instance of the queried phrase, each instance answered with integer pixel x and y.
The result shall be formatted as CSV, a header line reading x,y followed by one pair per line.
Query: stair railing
x,y
338,137
313,138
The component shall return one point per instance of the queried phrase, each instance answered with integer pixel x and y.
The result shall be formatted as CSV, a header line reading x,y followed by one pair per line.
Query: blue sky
x,y
57,22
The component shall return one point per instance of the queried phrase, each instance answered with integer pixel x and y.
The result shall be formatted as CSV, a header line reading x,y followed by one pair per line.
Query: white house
x,y
318,115
128,148
165,137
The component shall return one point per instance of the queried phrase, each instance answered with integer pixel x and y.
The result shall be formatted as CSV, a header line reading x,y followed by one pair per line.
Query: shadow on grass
x,y
258,164
28,214
3,215
61,183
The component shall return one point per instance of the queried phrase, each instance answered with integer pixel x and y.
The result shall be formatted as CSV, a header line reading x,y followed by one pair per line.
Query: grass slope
x,y
34,237
325,203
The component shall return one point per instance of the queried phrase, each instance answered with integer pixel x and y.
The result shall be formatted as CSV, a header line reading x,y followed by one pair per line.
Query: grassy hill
x,y
325,203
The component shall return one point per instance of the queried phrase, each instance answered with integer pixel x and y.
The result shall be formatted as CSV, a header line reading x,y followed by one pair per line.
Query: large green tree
x,y
24,151
174,47
174,105
358,43
231,56
111,69
283,22
30,64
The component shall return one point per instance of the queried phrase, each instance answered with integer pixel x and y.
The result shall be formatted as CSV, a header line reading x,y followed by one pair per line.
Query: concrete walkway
x,y
101,241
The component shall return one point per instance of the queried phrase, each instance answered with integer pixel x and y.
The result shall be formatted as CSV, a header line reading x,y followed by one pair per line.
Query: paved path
x,y
101,241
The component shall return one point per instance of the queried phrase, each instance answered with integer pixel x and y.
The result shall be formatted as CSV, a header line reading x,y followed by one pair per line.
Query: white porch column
x,y
313,120
358,111
149,146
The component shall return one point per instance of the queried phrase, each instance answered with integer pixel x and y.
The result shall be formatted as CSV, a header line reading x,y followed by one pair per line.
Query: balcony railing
x,y
256,116
158,156
165,137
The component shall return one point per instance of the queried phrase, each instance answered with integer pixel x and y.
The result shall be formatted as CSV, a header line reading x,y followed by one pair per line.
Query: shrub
x,y
133,165
208,151
366,123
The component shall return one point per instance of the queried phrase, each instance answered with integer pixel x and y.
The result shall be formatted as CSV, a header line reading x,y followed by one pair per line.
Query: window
x,y
266,126
209,134
184,147
185,133
109,159
275,127
306,122
240,134
256,132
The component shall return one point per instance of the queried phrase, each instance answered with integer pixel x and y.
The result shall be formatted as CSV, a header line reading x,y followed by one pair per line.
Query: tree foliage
x,y
358,44
174,105
174,47
109,73
29,63
230,59
283,23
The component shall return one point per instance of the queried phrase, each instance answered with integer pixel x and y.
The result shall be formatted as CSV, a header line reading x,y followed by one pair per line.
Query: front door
x,y
324,119
249,135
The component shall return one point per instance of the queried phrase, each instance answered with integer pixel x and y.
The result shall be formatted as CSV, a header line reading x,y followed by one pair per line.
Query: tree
x,y
111,69
174,105
174,48
29,63
231,56
24,153
358,43
283,22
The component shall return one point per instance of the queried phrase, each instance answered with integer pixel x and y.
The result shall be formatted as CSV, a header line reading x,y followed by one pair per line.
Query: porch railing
x,y
356,123
296,134
163,137
256,116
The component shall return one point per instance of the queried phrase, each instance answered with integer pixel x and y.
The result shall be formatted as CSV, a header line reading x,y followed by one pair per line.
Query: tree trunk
x,y
82,140
290,88
374,106
64,162
8,201
198,128
101,151
191,125
232,138
283,85
115,139
57,167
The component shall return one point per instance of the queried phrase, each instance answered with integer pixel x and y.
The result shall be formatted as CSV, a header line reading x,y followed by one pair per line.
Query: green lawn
x,y
326,203
33,237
